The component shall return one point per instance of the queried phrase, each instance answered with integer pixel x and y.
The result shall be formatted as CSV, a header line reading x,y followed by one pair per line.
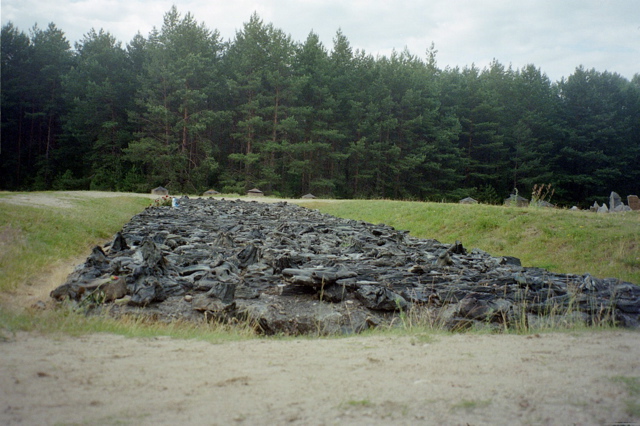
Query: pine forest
x,y
187,110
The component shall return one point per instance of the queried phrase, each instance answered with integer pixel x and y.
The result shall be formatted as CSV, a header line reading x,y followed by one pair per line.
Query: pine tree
x,y
260,71
175,104
17,74
98,90
311,155
600,150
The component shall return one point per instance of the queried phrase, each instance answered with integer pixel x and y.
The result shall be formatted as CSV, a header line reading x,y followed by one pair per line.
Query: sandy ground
x,y
64,199
459,379
558,378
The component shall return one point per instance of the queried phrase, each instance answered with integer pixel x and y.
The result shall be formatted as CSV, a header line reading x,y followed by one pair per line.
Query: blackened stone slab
x,y
380,298
147,290
223,291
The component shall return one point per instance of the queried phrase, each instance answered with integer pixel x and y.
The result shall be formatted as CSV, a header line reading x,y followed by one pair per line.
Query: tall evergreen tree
x,y
259,63
471,95
17,74
310,167
343,85
98,90
600,151
176,104
36,105
532,109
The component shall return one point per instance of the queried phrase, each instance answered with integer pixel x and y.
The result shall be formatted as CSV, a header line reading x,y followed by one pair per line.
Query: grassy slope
x,y
559,240
33,238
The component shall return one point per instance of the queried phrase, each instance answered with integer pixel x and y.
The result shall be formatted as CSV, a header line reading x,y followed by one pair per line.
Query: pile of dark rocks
x,y
287,269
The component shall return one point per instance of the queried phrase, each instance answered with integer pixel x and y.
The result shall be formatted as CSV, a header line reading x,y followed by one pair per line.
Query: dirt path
x,y
459,379
559,378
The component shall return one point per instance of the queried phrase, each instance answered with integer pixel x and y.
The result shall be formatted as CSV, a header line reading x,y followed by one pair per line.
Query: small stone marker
x,y
603,208
308,197
634,202
543,203
211,192
516,200
468,200
255,192
614,201
160,191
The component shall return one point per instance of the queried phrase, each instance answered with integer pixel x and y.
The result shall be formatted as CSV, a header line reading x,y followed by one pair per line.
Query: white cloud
x,y
554,35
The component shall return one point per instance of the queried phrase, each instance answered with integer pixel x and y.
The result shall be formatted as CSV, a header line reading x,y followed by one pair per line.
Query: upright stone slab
x,y
516,200
603,208
160,191
255,192
468,200
614,201
634,202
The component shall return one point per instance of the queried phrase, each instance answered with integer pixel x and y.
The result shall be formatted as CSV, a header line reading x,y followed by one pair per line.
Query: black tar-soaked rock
x,y
288,269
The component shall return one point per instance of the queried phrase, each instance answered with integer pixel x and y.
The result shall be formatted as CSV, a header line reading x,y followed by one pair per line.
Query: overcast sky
x,y
554,35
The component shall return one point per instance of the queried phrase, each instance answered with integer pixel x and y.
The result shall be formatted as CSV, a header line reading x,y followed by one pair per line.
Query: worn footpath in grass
x,y
604,245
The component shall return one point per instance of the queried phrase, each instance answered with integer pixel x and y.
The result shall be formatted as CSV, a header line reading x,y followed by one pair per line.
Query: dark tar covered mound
x,y
288,269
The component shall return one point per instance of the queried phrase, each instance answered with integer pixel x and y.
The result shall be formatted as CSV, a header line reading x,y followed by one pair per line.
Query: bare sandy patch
x,y
447,379
61,199
65,199
35,292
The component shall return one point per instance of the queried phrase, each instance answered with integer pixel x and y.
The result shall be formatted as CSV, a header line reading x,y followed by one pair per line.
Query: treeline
x,y
187,110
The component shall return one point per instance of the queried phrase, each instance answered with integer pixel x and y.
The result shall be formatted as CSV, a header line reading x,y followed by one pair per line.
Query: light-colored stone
x,y
622,208
468,200
634,202
516,200
255,192
614,201
160,191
